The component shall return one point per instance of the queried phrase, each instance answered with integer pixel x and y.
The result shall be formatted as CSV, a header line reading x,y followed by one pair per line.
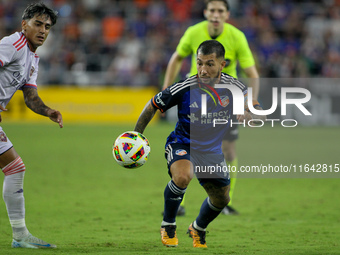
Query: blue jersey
x,y
194,129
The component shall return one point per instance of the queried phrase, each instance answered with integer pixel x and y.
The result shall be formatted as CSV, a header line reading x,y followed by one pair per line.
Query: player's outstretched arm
x,y
34,102
172,70
247,116
145,117
254,80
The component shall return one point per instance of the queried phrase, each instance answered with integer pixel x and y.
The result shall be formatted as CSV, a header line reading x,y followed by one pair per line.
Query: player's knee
x,y
220,202
224,201
16,166
227,201
182,179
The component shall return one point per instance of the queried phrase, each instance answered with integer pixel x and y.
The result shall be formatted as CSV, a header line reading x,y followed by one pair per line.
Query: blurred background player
x,y
196,143
18,71
217,12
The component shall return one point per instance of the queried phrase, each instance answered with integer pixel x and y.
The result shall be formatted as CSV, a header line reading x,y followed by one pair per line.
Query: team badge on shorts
x,y
181,152
3,137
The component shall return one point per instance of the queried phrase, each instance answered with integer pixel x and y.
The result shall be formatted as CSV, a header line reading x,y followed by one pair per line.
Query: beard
x,y
212,81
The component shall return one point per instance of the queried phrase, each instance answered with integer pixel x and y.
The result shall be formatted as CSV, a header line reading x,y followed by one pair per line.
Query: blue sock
x,y
173,196
207,213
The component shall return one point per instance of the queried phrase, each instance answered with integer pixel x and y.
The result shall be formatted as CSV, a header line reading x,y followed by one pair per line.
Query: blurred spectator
x,y
180,8
113,27
129,42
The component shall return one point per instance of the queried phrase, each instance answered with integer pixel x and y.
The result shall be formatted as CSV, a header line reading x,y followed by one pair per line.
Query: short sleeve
x,y
244,54
32,82
184,46
164,100
7,52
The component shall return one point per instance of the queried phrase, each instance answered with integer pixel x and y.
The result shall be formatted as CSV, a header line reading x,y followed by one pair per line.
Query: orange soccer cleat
x,y
197,236
169,236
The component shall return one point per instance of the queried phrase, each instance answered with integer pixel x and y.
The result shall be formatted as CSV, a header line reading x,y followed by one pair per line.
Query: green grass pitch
x,y
78,198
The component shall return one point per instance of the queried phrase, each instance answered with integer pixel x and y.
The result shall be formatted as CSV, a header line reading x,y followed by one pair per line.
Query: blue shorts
x,y
207,167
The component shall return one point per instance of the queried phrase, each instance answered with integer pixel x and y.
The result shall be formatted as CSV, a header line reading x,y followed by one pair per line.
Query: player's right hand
x,y
2,109
55,116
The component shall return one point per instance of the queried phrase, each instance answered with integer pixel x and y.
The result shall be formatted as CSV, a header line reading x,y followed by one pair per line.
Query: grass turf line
x,y
78,198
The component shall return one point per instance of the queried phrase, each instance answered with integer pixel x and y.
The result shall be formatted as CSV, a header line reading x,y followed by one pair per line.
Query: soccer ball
x,y
131,149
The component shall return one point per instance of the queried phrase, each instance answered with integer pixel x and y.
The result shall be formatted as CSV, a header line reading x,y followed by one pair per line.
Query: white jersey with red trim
x,y
18,66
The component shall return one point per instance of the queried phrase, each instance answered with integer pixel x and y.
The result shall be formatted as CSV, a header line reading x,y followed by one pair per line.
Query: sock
x,y
14,197
20,233
183,201
233,164
198,227
172,198
207,214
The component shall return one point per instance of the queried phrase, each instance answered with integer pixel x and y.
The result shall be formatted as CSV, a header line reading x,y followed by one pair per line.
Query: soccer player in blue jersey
x,y
195,144
237,51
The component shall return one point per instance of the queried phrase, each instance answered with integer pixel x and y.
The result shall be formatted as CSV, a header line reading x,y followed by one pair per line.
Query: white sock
x,y
197,227
14,197
164,223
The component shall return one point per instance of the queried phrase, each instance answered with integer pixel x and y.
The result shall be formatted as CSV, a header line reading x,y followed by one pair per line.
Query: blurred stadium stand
x,y
129,42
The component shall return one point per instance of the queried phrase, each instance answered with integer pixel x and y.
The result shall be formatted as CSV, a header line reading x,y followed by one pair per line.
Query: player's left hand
x,y
55,116
245,117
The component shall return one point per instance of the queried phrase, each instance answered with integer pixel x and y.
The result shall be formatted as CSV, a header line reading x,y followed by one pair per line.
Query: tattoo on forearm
x,y
34,102
145,117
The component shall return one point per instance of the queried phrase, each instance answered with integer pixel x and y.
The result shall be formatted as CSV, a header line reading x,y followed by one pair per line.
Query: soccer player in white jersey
x,y
18,71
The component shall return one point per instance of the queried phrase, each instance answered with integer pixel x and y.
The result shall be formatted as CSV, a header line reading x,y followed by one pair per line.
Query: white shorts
x,y
5,143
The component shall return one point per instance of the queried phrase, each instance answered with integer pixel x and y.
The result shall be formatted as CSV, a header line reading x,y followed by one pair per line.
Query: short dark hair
x,y
40,9
225,2
211,47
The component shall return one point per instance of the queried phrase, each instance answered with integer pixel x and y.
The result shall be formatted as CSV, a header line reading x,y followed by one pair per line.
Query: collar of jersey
x,y
203,86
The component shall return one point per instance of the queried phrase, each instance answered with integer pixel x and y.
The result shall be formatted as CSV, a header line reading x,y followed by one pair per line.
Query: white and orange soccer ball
x,y
131,149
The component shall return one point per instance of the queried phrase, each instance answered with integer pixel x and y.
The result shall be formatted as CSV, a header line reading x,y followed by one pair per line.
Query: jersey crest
x,y
32,70
224,101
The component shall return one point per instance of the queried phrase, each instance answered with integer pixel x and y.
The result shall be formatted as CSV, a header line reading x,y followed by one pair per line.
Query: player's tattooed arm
x,y
34,102
145,117
248,116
